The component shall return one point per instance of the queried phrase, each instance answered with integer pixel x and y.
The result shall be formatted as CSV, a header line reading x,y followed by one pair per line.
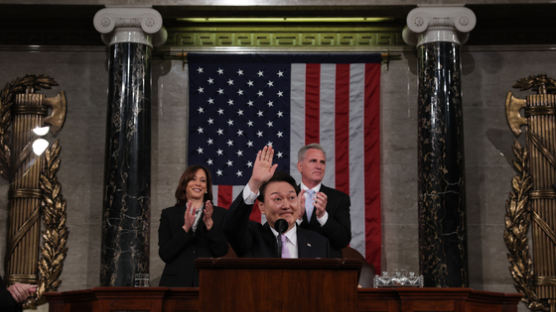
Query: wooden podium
x,y
229,284
232,284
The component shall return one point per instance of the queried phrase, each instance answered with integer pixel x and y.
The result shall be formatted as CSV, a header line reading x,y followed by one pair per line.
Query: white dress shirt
x,y
322,220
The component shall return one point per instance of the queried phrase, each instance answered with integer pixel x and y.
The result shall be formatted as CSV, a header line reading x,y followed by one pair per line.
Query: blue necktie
x,y
309,203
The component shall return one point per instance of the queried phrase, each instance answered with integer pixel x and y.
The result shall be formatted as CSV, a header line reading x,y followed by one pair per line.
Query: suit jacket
x,y
179,249
7,302
338,226
254,240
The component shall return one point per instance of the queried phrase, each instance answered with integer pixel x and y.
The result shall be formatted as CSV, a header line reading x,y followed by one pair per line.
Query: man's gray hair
x,y
307,147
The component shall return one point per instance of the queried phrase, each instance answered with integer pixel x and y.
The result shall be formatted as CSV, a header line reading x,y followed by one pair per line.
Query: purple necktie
x,y
285,251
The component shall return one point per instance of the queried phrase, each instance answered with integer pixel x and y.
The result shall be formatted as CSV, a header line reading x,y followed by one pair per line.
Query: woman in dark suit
x,y
181,239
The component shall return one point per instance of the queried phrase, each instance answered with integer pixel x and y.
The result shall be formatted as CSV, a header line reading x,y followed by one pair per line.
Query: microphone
x,y
280,226
198,215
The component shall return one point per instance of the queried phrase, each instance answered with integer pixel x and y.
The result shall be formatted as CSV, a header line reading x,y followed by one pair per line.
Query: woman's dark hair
x,y
279,176
187,176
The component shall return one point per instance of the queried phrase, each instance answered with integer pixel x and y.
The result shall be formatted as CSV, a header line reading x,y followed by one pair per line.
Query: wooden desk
x,y
158,299
153,299
435,299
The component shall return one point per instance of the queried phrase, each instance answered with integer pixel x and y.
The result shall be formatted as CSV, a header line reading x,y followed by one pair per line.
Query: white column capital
x,y
438,23
130,24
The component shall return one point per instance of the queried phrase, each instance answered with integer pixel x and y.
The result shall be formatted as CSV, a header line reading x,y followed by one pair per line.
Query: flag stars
x,y
230,143
250,103
220,71
239,173
269,124
230,102
200,70
230,82
270,83
260,93
270,103
239,153
280,73
218,172
200,150
210,101
210,121
250,143
250,83
279,155
260,113
269,143
200,110
240,72
280,114
220,111
219,152
250,123
210,141
280,94
260,134
239,92
239,132
200,130
220,132
201,90
280,134
249,164
220,91
210,81
240,112
210,162
229,163
230,122
260,73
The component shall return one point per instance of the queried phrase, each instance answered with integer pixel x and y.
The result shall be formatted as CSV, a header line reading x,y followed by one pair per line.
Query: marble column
x,y
438,33
129,32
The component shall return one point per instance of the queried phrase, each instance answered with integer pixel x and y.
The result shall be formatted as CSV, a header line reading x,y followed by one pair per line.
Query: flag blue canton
x,y
234,111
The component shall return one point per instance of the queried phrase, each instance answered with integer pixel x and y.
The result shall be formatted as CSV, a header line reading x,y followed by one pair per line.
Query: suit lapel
x,y
270,239
304,246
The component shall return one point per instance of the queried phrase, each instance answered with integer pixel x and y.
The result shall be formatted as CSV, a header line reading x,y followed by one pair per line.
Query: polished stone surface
x,y
126,213
442,227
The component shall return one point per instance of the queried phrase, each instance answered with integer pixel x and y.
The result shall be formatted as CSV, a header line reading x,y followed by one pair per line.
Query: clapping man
x,y
326,210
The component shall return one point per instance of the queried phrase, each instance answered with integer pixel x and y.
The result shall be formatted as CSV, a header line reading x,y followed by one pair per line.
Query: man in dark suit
x,y
11,297
326,209
279,198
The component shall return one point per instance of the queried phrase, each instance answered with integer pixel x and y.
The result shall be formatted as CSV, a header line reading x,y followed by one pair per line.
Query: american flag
x,y
238,103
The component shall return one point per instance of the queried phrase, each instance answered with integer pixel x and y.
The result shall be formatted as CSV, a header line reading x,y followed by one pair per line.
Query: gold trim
x,y
539,110
546,281
55,234
517,221
544,226
30,109
7,98
52,205
25,193
234,20
542,194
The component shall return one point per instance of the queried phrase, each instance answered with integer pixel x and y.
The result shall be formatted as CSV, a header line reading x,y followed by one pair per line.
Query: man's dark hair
x,y
279,176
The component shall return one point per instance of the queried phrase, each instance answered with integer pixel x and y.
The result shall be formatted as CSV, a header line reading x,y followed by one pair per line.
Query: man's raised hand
x,y
263,169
